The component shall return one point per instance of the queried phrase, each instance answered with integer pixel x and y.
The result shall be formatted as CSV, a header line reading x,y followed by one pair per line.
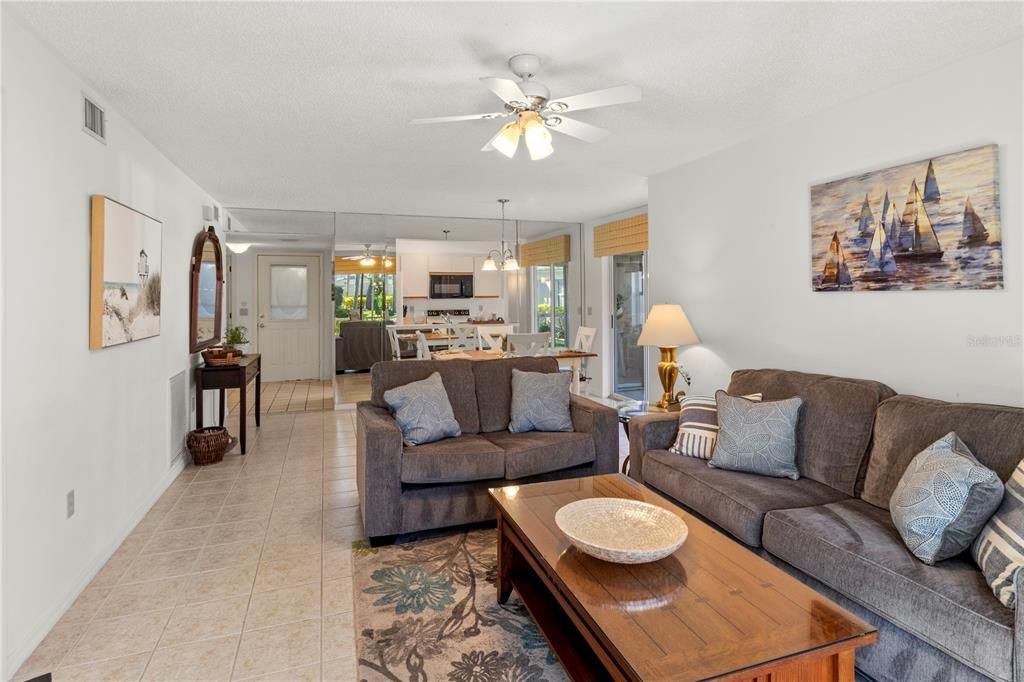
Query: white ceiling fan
x,y
367,260
535,111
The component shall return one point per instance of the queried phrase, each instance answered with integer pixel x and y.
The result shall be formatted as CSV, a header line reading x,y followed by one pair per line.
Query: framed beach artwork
x,y
932,224
124,294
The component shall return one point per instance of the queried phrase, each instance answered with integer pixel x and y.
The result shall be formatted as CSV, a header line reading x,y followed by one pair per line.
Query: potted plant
x,y
237,338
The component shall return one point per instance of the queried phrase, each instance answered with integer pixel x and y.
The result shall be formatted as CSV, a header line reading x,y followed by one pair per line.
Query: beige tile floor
x,y
241,570
351,387
286,396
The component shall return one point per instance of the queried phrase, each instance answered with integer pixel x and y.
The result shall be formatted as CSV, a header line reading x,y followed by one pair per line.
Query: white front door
x,y
288,331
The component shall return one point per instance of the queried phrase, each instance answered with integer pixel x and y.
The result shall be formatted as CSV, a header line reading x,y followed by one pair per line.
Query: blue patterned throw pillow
x,y
756,437
943,500
423,411
540,401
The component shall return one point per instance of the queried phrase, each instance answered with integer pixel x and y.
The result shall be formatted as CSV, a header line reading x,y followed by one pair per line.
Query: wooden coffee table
x,y
712,611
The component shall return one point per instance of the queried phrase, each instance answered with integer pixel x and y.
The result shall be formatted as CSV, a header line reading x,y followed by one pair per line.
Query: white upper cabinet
x,y
415,275
440,263
461,264
485,284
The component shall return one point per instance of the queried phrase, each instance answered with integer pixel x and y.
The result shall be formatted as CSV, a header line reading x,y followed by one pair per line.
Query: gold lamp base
x,y
668,372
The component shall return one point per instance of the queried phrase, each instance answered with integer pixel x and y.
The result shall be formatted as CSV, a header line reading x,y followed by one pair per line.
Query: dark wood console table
x,y
233,376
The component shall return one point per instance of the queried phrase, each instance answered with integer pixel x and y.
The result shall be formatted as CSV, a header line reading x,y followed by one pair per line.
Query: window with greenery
x,y
369,296
550,310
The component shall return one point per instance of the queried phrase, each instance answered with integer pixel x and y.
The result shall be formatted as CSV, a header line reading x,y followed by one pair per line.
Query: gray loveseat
x,y
407,489
832,528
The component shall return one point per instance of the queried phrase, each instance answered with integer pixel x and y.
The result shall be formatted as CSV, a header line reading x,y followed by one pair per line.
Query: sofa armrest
x,y
649,432
1018,629
379,469
602,423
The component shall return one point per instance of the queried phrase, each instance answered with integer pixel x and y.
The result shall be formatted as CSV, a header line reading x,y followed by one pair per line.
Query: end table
x,y
639,409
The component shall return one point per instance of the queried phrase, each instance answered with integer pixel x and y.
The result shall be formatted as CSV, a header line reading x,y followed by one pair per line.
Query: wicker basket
x,y
208,445
222,357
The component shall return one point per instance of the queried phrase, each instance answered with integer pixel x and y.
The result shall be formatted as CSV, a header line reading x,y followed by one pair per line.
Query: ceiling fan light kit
x,y
534,111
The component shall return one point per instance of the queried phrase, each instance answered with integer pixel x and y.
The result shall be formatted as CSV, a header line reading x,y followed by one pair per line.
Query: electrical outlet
x,y
70,503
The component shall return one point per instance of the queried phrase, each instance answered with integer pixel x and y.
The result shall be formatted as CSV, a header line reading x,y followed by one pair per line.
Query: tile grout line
x,y
259,560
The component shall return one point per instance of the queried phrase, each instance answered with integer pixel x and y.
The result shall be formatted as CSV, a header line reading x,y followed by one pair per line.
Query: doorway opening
x,y
628,313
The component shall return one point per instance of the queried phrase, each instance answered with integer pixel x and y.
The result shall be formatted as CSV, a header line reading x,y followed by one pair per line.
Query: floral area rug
x,y
427,610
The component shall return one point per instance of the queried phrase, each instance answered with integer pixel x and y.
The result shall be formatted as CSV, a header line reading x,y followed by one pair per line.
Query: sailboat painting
x,y
946,233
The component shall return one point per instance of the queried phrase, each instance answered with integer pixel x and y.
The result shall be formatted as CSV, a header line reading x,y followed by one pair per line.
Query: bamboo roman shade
x,y
545,252
628,235
343,266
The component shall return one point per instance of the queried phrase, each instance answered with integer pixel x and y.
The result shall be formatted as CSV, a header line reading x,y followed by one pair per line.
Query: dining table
x,y
573,359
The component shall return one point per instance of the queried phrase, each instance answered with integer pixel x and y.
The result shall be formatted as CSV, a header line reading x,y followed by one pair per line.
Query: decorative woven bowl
x,y
621,531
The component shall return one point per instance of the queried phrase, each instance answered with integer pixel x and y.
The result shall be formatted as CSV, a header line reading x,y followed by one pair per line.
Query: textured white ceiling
x,y
305,105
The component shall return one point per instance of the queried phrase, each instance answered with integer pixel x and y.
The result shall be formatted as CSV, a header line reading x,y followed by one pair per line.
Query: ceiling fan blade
x,y
470,117
598,98
508,90
579,129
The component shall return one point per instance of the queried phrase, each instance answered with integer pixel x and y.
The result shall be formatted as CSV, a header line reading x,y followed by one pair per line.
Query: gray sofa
x,y
407,489
361,343
832,528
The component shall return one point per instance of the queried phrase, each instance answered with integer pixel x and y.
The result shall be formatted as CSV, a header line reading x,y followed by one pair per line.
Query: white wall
x,y
730,241
92,421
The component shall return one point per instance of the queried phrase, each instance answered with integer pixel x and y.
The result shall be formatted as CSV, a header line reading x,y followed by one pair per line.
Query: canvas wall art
x,y
124,302
933,224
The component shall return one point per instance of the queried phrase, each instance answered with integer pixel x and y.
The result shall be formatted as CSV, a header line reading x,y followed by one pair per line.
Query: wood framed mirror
x,y
205,318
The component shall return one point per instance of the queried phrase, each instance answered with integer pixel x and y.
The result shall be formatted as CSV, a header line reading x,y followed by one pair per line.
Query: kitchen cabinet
x,y
486,284
441,263
415,275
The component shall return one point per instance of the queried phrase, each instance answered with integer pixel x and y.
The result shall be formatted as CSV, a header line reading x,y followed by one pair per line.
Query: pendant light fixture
x,y
507,259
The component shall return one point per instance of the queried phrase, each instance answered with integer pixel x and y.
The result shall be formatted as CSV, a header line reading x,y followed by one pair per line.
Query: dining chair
x,y
462,336
422,347
489,337
396,346
584,339
584,342
528,344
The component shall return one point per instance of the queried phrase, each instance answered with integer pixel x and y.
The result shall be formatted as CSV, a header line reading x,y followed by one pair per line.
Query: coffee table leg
x,y
506,554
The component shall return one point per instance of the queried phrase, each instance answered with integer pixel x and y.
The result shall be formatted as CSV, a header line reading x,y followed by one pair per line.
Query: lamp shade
x,y
667,327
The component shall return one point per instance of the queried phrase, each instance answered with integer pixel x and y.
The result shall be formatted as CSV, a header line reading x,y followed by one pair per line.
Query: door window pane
x,y
289,292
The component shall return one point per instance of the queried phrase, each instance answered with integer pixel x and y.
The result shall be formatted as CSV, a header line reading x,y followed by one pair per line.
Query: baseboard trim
x,y
19,653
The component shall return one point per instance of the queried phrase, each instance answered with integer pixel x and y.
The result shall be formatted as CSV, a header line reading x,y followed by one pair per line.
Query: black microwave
x,y
451,286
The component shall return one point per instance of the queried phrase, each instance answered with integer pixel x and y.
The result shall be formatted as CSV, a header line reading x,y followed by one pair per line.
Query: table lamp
x,y
667,328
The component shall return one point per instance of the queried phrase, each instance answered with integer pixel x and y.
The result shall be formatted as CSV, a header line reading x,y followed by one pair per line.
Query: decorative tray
x,y
621,531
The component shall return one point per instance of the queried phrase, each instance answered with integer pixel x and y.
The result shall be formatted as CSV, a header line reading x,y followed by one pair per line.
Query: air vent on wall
x,y
179,415
94,119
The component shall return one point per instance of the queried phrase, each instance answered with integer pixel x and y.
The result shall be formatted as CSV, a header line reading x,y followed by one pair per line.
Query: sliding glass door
x,y
550,310
630,309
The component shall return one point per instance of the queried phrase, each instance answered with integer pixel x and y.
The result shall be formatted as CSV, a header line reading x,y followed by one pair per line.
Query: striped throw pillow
x,y
999,549
698,426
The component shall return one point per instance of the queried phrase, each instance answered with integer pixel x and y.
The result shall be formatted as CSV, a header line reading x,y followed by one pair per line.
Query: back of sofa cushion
x,y
835,424
906,425
494,387
456,375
